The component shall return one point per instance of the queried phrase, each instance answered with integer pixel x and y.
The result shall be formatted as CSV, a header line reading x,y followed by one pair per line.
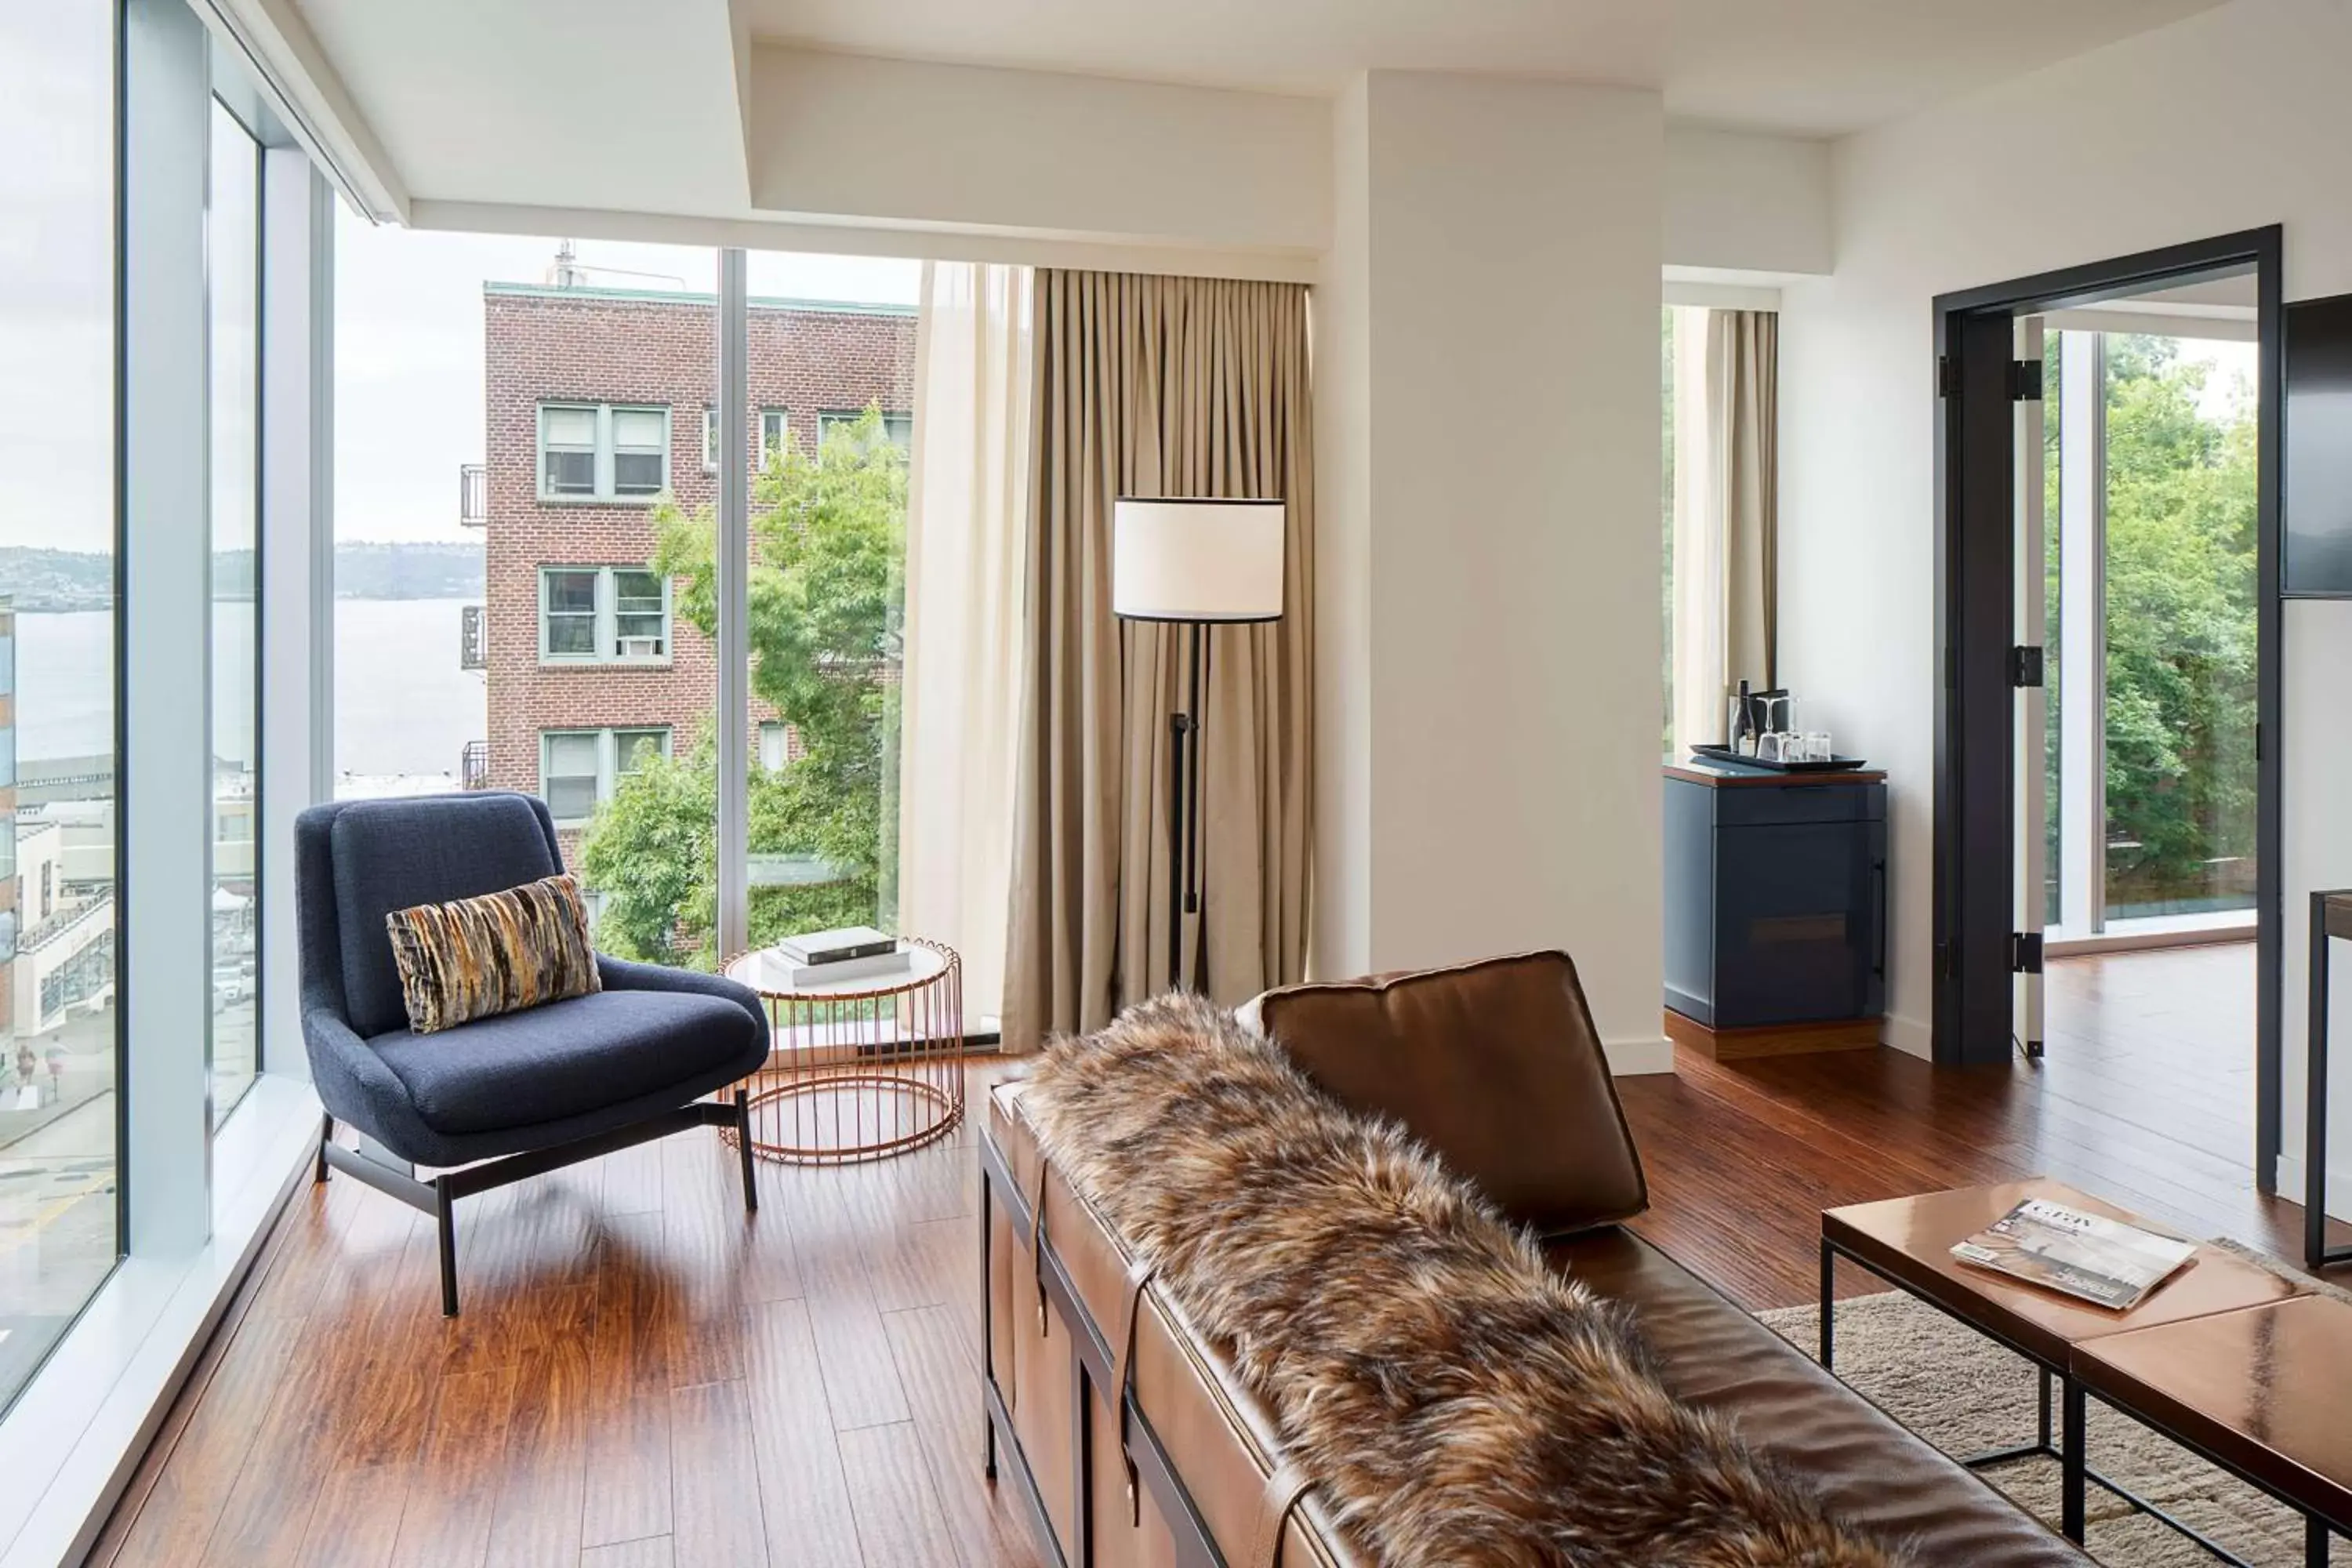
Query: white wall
x,y
1490,542
1040,152
1744,203
2231,120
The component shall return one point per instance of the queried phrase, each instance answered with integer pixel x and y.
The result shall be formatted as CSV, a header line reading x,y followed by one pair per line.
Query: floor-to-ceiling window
x,y
233,259
59,1230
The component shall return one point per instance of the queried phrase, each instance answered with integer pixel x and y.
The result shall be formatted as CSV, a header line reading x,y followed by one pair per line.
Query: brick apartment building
x,y
598,403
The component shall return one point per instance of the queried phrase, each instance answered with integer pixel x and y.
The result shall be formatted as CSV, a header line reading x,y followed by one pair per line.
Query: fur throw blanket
x,y
1454,1400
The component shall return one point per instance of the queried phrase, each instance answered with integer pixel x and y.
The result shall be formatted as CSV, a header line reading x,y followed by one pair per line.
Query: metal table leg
x,y
1829,1304
2072,1441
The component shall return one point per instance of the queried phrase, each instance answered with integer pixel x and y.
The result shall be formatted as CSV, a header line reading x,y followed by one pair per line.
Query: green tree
x,y
2181,542
826,595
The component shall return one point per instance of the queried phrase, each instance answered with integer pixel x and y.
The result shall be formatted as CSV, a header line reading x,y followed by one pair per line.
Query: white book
x,y
873,966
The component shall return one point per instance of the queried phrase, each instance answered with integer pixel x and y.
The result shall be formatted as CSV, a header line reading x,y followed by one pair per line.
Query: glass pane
x,y
637,592
829,536
570,473
632,749
233,245
710,437
636,473
639,429
2180,634
571,799
572,754
571,635
572,428
59,1053
571,592
773,427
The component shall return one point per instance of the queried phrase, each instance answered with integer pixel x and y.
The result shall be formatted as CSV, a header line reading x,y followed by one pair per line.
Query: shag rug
x,y
1454,1400
1967,1395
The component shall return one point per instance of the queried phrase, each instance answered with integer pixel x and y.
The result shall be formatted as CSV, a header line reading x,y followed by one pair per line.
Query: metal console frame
x,y
2074,1469
1093,1363
2324,923
438,1198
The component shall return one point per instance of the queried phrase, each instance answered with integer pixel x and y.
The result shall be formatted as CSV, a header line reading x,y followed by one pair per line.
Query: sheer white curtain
x,y
1700,656
967,500
1725,531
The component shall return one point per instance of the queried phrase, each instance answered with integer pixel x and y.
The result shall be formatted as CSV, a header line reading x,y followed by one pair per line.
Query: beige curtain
x,y
967,516
1157,387
1727,512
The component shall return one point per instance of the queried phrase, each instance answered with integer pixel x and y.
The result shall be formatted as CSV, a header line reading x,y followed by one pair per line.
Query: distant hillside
x,y
39,579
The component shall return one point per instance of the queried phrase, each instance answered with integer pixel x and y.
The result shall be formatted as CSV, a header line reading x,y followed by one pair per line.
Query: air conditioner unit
x,y
641,648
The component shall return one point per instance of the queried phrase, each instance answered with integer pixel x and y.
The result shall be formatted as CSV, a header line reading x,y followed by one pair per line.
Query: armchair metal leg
x,y
326,1136
743,1148
444,1220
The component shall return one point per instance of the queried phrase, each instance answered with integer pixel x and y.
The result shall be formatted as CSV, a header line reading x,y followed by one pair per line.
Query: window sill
x,y
2149,933
631,503
75,1438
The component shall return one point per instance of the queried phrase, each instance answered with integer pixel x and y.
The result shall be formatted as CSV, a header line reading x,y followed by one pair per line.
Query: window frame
x,y
609,771
606,618
771,440
605,490
891,422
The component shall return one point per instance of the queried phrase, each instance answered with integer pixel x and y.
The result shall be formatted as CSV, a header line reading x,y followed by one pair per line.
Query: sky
x,y
409,355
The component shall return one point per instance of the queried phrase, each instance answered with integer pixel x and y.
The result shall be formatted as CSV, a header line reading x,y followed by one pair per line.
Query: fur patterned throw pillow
x,y
501,953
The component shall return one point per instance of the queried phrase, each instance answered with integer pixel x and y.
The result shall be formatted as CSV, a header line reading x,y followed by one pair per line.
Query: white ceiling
x,y
1809,66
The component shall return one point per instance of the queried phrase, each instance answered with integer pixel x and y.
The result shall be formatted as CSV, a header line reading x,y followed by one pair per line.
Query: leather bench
x,y
1133,1442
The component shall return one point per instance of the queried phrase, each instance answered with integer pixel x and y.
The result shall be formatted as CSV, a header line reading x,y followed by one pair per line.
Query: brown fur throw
x,y
1454,1400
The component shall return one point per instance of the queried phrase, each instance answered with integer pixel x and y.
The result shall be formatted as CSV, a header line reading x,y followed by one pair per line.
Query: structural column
x,y
1491,593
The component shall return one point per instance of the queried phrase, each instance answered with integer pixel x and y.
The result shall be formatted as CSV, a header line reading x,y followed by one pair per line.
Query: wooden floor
x,y
644,1378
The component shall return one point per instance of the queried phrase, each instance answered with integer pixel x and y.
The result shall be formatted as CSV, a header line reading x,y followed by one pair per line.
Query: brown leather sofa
x,y
1132,1442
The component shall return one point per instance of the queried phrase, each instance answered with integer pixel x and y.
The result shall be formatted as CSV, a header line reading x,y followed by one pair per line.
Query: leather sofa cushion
x,y
1865,1466
1495,1065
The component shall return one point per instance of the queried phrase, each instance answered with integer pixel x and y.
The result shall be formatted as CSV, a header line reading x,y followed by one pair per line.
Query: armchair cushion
x,y
390,855
568,1058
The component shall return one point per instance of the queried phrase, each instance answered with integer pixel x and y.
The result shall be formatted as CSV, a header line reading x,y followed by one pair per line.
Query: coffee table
x,y
1908,1241
2265,1392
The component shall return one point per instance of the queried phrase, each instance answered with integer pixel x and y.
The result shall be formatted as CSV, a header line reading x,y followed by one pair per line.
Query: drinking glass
x,y
1817,746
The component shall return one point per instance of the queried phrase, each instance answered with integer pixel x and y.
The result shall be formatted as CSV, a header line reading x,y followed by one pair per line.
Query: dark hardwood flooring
x,y
646,1378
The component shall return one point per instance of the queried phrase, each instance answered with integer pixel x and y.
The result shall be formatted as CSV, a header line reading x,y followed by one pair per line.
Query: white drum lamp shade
x,y
1196,560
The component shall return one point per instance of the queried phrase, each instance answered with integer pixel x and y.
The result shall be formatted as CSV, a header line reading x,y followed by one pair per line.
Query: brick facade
x,y
599,346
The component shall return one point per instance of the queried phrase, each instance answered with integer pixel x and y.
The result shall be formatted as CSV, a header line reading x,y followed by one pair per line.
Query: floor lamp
x,y
1198,565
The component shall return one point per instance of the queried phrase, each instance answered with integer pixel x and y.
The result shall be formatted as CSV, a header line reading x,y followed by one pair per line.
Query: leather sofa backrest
x,y
1495,1065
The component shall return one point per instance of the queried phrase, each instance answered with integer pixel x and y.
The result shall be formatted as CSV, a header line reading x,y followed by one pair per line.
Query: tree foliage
x,y
2180,627
826,592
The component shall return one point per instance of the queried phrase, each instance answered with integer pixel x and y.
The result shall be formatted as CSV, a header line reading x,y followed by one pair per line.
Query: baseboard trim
x,y
1637,1058
1911,1036
2339,1186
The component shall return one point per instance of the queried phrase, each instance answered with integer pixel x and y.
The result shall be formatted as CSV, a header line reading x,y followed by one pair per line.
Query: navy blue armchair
x,y
500,1098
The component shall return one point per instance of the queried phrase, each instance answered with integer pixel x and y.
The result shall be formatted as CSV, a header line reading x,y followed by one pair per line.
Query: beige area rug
x,y
1966,1394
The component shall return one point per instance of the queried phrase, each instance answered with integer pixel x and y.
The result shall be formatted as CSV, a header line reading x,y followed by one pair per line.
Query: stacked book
x,y
827,957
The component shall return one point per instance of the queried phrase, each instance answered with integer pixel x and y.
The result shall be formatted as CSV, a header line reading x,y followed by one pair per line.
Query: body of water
x,y
402,705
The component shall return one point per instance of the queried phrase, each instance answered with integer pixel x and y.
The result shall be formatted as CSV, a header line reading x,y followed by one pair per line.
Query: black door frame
x,y
1975,780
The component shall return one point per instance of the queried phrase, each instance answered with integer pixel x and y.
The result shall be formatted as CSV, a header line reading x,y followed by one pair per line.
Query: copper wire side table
x,y
857,1069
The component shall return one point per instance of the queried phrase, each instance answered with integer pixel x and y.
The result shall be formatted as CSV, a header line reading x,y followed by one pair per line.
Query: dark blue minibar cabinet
x,y
1775,910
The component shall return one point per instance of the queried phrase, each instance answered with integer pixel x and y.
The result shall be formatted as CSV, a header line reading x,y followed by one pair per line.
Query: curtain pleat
x,y
1157,387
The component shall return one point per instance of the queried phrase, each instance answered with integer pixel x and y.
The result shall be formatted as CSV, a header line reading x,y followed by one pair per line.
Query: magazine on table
x,y
2103,1261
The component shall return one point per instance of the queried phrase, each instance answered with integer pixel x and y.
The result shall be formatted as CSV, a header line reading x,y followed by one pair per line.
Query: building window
x,y
603,614
578,769
899,427
773,427
775,741
597,451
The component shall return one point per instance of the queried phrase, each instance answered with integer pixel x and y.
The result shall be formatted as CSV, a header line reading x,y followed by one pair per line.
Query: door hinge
x,y
2024,952
1947,376
2025,381
2024,667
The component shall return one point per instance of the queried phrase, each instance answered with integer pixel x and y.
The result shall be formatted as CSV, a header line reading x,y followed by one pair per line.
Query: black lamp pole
x,y
1185,864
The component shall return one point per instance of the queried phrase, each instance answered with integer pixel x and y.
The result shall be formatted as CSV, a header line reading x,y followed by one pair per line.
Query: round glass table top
x,y
770,974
